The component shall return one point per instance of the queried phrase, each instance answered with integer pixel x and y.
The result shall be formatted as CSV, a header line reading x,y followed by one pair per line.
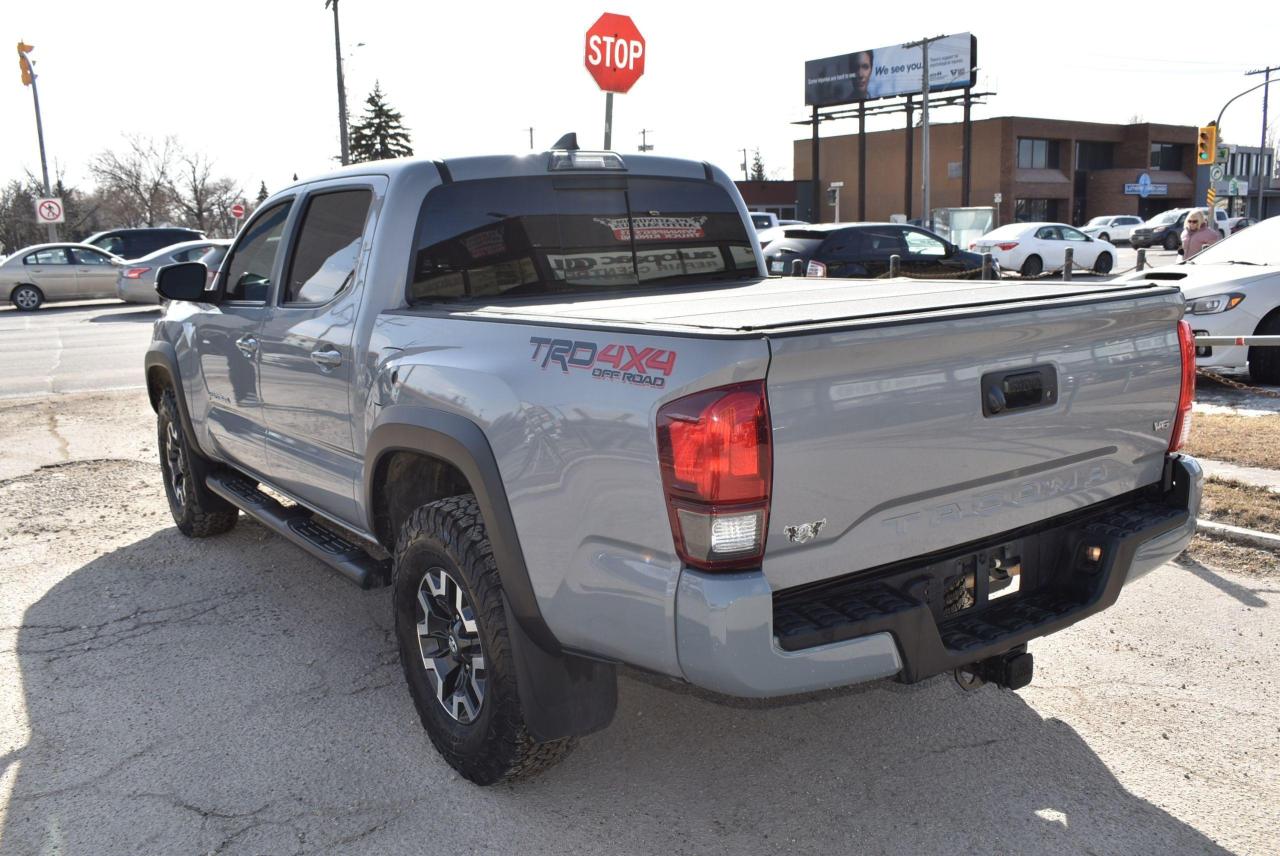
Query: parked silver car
x,y
47,273
136,282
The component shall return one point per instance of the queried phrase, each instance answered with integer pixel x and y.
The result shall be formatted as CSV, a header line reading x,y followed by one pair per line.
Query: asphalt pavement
x,y
73,347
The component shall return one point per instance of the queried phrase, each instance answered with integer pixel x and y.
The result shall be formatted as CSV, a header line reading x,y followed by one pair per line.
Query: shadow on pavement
x,y
230,695
62,308
148,315
1246,596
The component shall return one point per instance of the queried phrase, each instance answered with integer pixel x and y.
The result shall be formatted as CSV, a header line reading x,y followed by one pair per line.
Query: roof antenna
x,y
569,143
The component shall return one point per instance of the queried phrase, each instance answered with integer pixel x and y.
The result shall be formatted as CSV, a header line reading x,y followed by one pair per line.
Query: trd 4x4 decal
x,y
625,363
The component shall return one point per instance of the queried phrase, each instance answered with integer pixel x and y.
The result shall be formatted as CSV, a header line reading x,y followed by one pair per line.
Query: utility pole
x,y
342,87
645,145
746,176
926,215
29,79
1263,178
530,130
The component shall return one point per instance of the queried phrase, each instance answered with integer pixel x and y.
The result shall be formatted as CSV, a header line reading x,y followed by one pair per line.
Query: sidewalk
x,y
1252,476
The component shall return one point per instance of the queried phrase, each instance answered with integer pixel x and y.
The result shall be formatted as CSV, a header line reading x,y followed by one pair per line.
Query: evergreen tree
x,y
757,167
379,134
262,193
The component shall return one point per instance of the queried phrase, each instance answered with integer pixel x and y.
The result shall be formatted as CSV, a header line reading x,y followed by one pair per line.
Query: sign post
x,y
29,79
615,53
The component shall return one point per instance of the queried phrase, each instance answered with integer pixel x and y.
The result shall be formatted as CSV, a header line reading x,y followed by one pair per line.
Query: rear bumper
x,y
735,636
137,291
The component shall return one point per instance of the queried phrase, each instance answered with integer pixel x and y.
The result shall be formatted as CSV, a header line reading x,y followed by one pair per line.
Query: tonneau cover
x,y
777,306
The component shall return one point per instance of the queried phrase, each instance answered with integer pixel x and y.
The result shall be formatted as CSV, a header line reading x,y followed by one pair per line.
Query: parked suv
x,y
862,250
136,243
1113,228
1165,230
556,405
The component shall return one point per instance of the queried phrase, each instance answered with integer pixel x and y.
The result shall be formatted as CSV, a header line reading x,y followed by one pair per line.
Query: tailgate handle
x,y
1019,389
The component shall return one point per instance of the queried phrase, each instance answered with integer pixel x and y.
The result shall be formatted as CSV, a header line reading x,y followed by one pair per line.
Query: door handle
x,y
248,345
327,358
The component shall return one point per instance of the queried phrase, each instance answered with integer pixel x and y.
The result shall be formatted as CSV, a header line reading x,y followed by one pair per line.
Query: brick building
x,y
1044,169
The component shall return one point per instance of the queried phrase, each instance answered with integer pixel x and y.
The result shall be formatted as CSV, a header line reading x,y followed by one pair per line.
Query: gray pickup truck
x,y
554,402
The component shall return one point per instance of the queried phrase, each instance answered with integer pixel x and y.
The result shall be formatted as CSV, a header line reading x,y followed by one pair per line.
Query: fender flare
x,y
163,356
562,694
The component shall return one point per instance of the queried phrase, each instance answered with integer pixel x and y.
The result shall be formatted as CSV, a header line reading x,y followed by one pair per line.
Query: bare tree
x,y
201,199
136,185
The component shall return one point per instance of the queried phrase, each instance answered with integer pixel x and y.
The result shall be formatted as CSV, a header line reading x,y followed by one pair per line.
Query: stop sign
x,y
237,211
615,52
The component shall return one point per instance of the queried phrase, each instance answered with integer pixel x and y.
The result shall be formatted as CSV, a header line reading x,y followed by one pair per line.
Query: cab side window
x,y
328,246
248,269
47,257
89,257
920,244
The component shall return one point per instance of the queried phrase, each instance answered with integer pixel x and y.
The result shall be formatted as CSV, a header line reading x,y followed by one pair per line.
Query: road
x,y
73,347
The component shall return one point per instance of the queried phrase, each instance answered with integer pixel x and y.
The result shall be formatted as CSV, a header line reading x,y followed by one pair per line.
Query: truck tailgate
x,y
880,429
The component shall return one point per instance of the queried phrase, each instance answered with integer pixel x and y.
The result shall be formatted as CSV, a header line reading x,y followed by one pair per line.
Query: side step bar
x,y
299,526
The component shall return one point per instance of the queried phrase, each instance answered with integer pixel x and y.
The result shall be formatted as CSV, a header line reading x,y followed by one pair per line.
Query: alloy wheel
x,y
449,642
177,464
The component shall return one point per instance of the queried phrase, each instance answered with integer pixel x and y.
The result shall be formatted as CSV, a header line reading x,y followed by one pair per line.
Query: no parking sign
x,y
49,211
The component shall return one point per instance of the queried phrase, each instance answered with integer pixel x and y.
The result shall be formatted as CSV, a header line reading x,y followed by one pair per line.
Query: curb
x,y
1239,535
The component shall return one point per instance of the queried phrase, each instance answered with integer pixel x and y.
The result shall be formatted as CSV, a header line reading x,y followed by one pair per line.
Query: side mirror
x,y
185,281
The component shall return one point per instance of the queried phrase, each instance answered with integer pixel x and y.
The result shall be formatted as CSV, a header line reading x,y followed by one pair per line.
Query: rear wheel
x,y
1264,363
1033,266
1171,242
27,298
451,628
1103,263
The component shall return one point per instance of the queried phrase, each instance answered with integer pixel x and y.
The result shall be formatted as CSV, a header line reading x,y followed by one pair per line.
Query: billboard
x,y
891,71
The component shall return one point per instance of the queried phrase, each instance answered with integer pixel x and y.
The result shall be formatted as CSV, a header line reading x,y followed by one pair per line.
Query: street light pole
x,y
1262,147
29,74
342,87
1265,83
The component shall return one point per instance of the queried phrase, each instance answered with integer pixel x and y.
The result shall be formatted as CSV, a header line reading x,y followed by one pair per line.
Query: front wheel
x,y
27,298
1171,242
1264,363
451,629
198,511
1104,237
1032,267
1102,264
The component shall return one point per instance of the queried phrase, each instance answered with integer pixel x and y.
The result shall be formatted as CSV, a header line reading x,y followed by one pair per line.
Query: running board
x,y
300,526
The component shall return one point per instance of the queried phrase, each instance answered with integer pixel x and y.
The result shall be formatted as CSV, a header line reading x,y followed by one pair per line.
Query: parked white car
x,y
1232,288
1112,227
1031,248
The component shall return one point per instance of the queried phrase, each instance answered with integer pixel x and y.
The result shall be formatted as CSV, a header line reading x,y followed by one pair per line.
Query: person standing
x,y
1197,234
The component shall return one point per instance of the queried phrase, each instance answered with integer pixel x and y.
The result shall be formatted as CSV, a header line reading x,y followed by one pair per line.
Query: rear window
x,y
574,235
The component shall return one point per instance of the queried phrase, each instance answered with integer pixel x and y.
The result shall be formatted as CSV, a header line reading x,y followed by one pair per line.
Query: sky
x,y
252,84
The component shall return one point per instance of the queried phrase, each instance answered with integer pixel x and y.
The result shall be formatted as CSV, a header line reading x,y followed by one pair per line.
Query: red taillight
x,y
135,273
1187,394
1007,245
715,453
815,269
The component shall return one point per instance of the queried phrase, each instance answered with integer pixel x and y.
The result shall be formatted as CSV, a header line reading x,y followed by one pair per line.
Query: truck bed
x,y
782,306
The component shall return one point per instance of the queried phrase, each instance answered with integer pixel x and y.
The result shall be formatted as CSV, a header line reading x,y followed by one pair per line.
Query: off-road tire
x,y
1102,264
1032,267
198,511
26,298
1264,363
496,745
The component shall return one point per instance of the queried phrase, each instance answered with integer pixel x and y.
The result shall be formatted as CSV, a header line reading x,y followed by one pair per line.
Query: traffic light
x,y
1207,144
24,63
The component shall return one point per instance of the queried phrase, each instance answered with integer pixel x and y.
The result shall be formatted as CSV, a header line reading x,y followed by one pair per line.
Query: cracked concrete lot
x,y
169,696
